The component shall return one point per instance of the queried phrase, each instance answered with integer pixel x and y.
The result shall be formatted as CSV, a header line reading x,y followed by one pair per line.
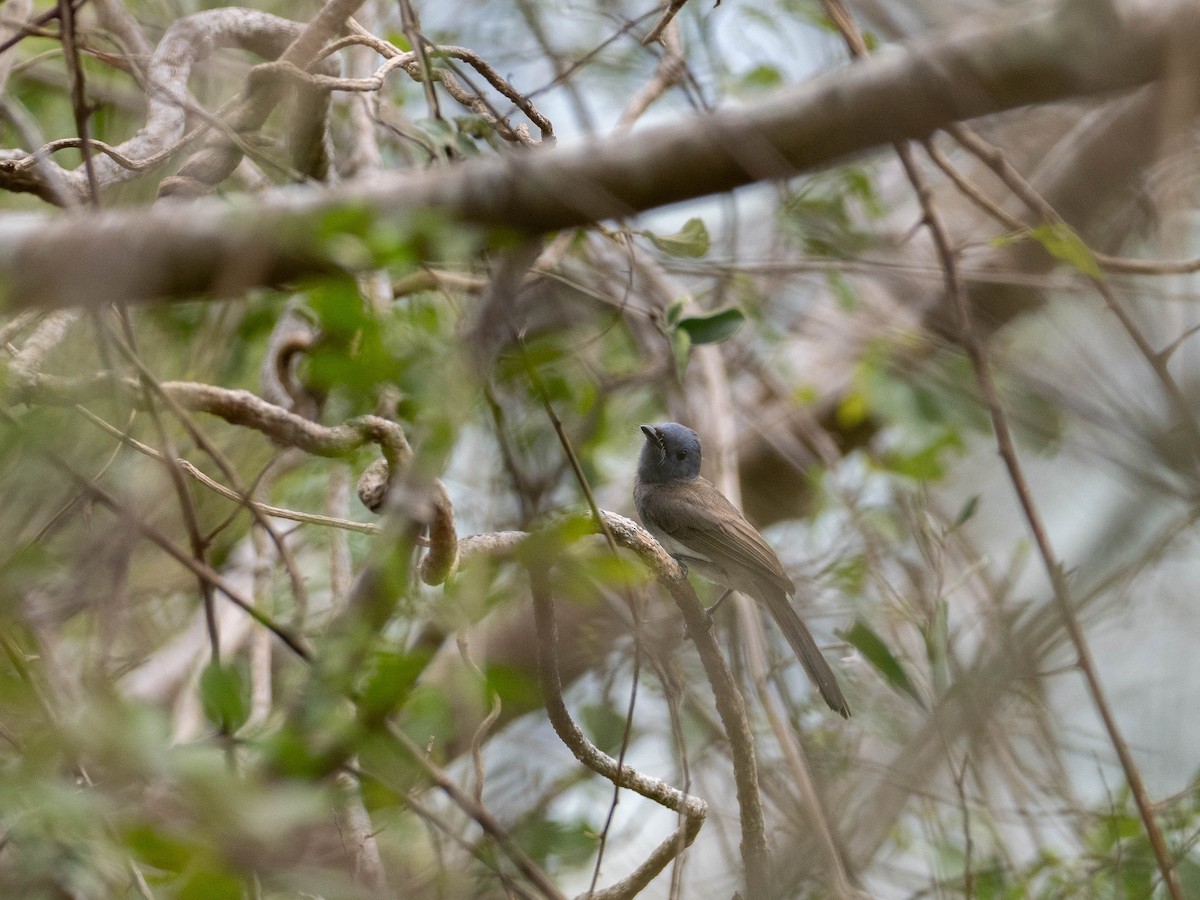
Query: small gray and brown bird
x,y
698,526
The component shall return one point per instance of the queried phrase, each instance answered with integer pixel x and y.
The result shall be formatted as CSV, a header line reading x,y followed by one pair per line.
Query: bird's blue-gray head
x,y
671,453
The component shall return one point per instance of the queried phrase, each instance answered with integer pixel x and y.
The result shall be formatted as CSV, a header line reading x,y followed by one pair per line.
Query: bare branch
x,y
237,407
477,812
215,162
730,705
186,42
437,565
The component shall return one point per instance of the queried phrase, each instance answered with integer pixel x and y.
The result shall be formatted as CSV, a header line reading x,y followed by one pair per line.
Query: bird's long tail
x,y
806,649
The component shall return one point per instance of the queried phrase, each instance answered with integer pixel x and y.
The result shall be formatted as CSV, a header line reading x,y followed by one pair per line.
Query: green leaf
x,y
864,639
681,348
390,678
211,885
821,218
154,847
967,511
845,295
762,76
937,644
1001,241
400,40
1189,876
517,688
439,129
713,327
1061,241
850,574
225,696
924,464
691,241
674,311
857,183
465,146
853,410
550,841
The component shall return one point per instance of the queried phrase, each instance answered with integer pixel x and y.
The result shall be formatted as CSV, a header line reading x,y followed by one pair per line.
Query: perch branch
x,y
730,706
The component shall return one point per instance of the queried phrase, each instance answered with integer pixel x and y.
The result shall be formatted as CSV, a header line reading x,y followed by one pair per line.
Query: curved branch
x,y
214,162
692,810
185,43
237,407
442,558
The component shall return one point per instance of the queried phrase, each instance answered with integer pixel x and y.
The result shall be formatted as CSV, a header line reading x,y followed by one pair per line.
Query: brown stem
x,y
66,15
994,159
730,706
1058,579
152,384
906,94
482,817
214,163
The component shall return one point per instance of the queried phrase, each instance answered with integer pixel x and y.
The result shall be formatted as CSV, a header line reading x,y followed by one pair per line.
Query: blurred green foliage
x,y
111,787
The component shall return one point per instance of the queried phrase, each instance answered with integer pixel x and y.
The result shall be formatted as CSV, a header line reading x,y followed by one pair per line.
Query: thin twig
x,y
731,708
1058,581
132,518
411,27
482,817
995,159
278,512
630,601
668,16
66,16
425,813
1004,443
35,27
227,468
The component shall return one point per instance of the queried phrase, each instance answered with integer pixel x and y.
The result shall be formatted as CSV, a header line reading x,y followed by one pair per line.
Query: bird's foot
x,y
708,615
712,609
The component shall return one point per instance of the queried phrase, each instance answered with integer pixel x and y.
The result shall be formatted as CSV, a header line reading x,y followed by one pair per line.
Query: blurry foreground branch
x,y
217,249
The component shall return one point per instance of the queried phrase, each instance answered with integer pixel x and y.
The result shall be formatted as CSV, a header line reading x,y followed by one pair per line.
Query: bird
x,y
697,525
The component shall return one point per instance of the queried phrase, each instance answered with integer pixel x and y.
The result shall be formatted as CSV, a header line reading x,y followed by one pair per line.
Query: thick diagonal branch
x,y
903,94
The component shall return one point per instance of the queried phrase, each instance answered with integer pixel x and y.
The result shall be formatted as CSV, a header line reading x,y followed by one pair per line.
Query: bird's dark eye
x,y
682,454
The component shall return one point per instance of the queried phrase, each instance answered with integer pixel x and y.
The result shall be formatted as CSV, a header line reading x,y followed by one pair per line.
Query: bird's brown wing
x,y
750,565
727,536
